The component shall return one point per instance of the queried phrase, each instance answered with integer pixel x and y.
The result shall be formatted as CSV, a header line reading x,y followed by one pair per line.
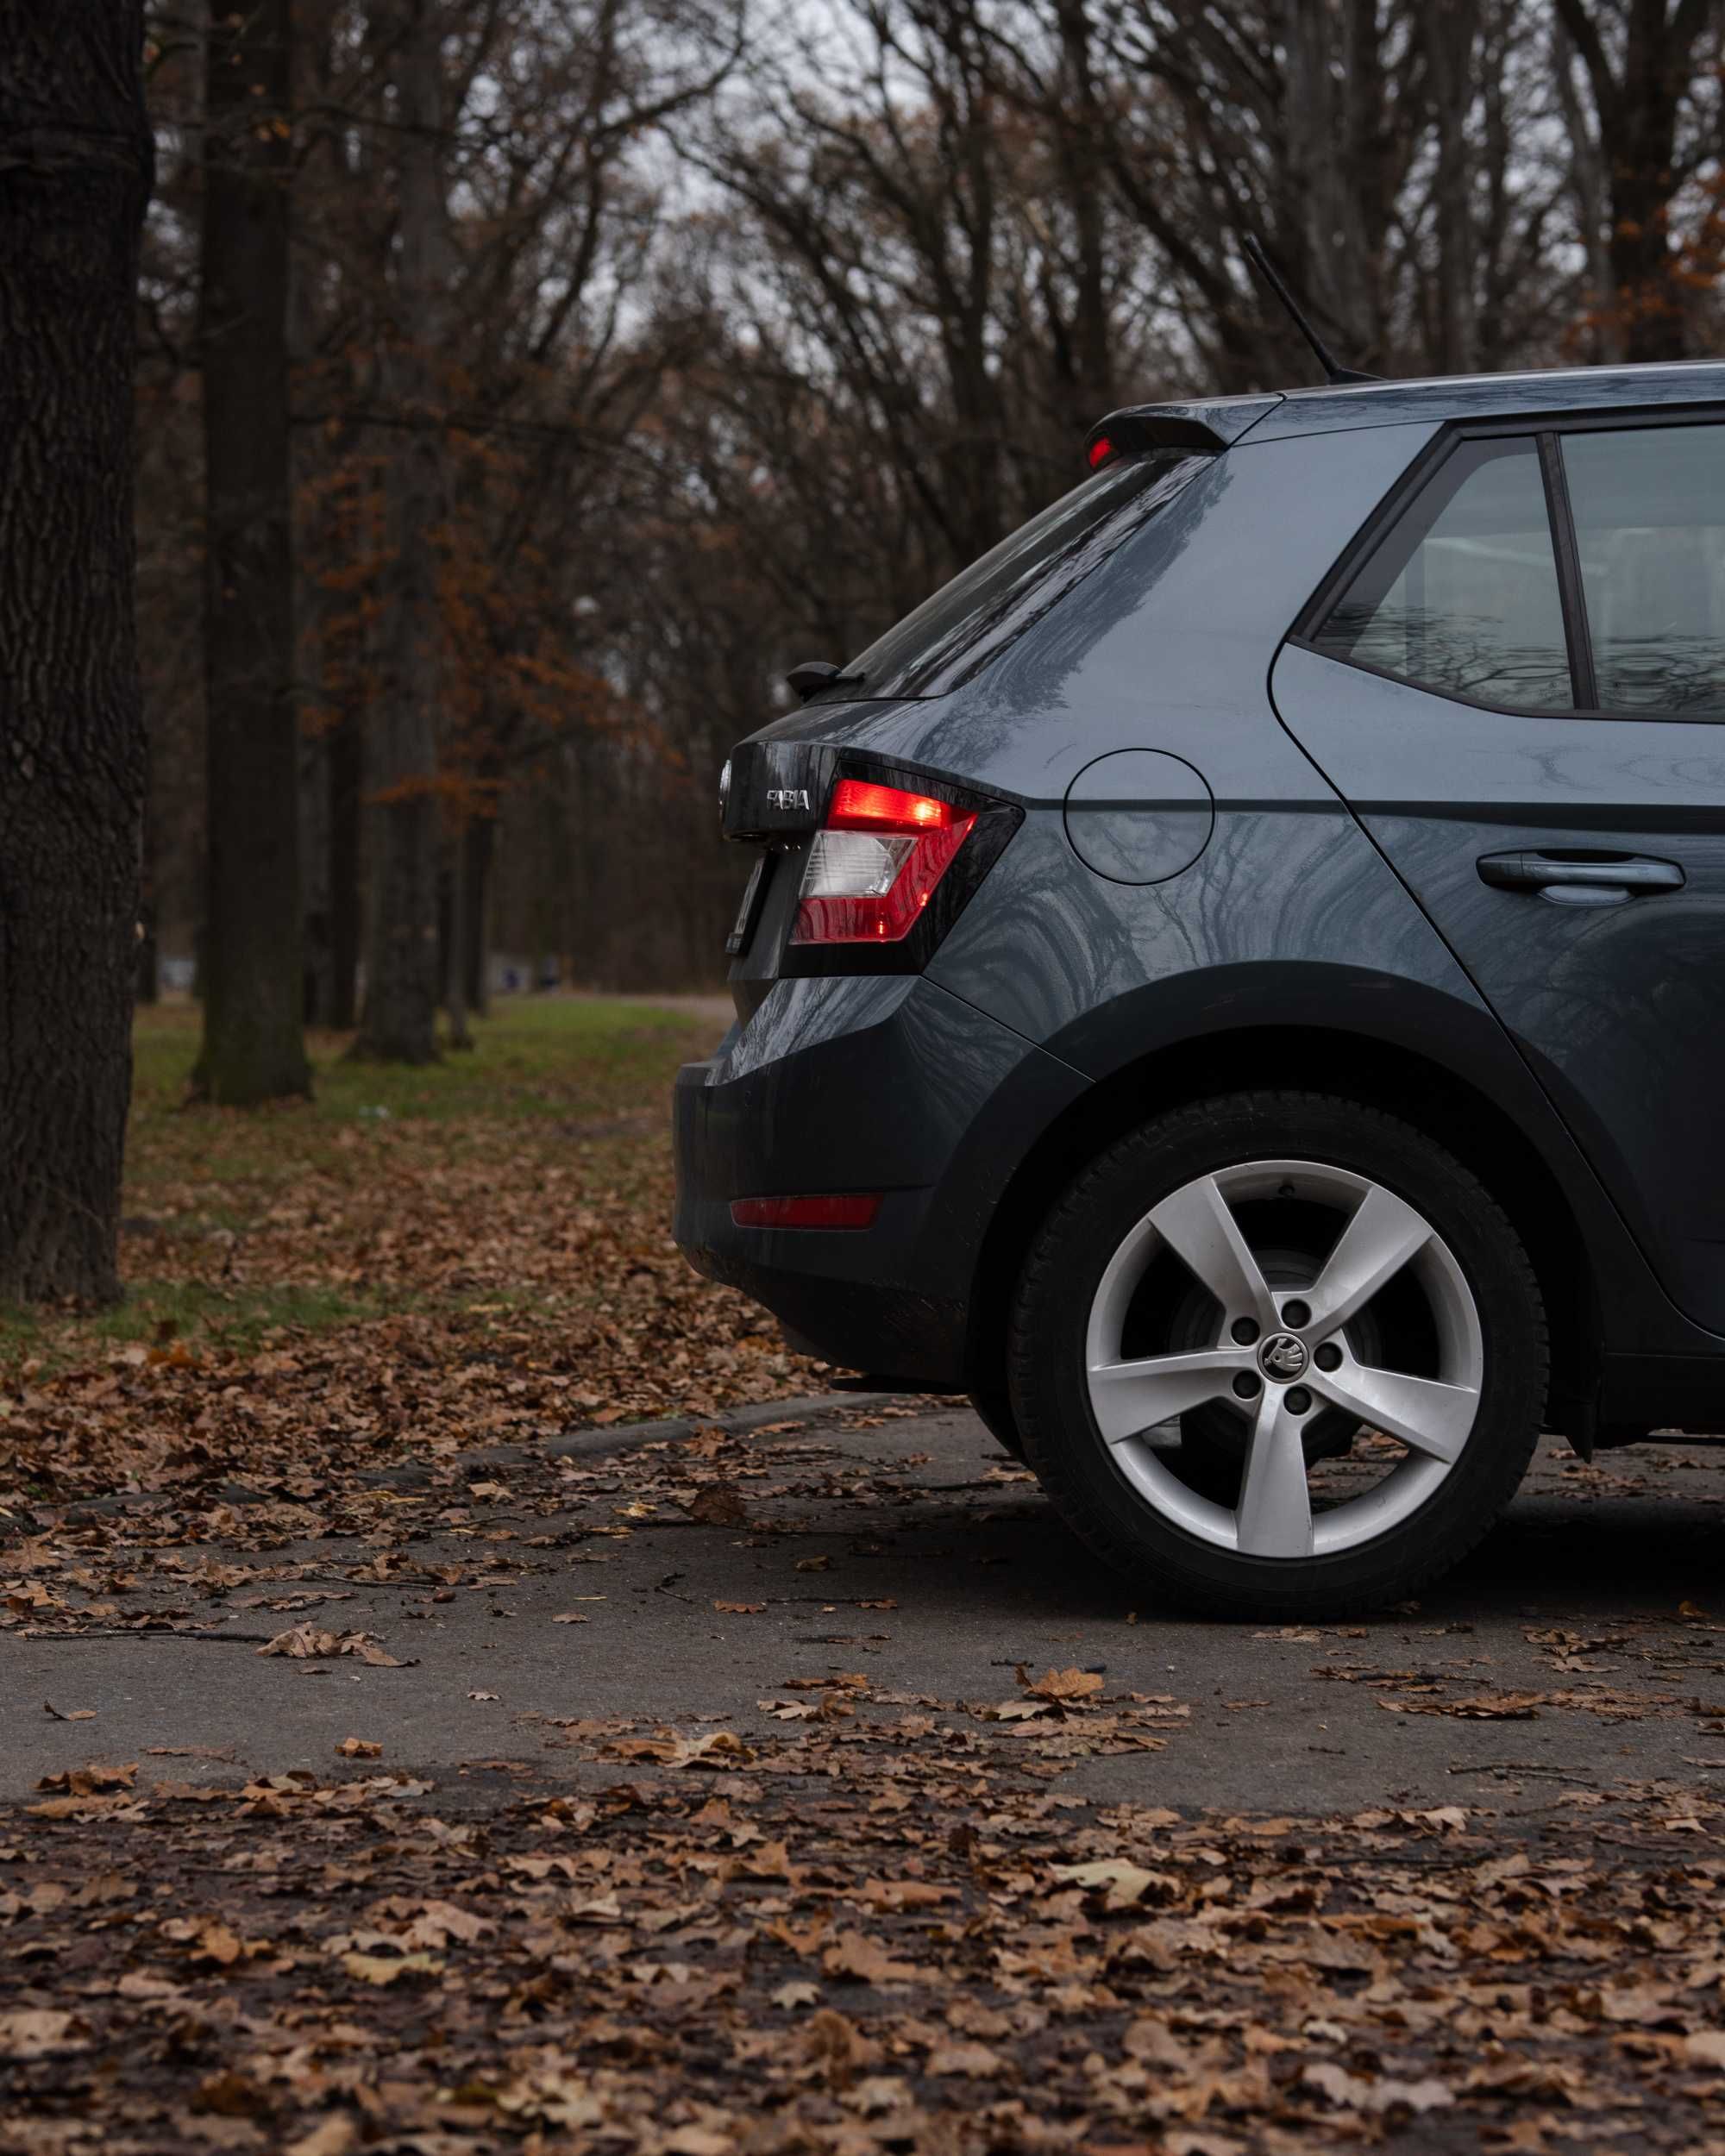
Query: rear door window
x,y
1462,594
989,605
1649,510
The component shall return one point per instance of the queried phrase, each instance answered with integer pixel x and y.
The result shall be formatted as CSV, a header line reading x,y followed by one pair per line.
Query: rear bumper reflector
x,y
852,1210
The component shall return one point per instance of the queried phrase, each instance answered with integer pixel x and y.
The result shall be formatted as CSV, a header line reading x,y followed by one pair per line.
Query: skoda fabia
x,y
1233,981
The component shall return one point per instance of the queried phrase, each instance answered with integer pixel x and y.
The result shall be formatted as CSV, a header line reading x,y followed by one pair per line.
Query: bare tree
x,y
253,1047
1655,115
74,178
399,1019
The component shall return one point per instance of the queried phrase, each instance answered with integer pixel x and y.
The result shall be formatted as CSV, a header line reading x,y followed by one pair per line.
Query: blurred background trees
x,y
635,349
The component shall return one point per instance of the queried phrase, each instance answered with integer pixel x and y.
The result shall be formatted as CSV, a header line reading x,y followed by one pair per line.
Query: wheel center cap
x,y
1284,1357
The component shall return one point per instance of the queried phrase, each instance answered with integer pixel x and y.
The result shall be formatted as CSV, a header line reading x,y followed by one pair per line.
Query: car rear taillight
x,y
872,866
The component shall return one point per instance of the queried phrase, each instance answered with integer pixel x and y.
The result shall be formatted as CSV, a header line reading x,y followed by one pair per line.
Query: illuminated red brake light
x,y
855,1209
1099,452
873,865
857,805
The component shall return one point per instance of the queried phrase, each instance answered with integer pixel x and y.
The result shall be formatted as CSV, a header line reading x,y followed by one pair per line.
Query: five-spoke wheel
x,y
1285,1347
1281,1357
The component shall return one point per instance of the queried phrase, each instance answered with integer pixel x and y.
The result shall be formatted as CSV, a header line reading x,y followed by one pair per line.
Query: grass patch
x,y
536,1056
157,1314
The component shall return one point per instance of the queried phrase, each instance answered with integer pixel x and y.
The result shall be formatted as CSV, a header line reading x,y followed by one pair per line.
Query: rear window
x,y
1461,597
989,605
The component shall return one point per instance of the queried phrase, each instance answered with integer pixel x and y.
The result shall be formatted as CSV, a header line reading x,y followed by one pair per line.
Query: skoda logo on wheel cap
x,y
1282,1356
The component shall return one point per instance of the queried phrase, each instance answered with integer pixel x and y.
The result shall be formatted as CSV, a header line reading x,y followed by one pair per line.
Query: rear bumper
x,y
867,1083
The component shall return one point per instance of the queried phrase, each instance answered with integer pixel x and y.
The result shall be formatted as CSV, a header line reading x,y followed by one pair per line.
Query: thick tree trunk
x,y
74,176
400,1020
254,1042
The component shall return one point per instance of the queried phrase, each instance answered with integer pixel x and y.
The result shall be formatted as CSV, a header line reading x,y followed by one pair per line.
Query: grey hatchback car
x,y
1232,982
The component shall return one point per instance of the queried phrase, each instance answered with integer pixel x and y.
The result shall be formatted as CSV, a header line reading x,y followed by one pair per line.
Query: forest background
x,y
524,385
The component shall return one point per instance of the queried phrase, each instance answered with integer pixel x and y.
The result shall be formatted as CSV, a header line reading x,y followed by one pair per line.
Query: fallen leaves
x,y
366,1303
306,1643
924,1946
1500,1706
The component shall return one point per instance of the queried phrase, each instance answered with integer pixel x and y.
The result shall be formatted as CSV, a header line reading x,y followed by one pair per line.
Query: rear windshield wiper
x,y
815,674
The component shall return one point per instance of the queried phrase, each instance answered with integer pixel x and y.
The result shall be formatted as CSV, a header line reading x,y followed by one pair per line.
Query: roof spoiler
x,y
1204,425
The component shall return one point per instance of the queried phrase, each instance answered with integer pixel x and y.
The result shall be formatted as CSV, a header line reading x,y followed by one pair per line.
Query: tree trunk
x,y
148,976
461,919
479,839
1638,99
74,176
345,786
1449,31
254,1039
346,752
400,1020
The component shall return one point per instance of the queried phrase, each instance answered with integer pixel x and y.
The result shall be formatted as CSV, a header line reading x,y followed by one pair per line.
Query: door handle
x,y
1580,880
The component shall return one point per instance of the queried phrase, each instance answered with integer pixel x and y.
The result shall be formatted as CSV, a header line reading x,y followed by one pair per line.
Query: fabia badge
x,y
1282,1356
788,797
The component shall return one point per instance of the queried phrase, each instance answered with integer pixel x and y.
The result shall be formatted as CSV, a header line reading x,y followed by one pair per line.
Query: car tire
x,y
994,1410
1451,1340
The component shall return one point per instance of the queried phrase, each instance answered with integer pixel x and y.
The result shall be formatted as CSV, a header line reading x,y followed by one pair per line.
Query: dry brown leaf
x,y
718,1505
974,2061
1352,2092
32,2032
852,1955
1061,1685
1117,1877
91,1779
382,1969
309,1643
337,2135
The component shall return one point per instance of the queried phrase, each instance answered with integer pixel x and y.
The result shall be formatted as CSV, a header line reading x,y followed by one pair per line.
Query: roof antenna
x,y
1326,360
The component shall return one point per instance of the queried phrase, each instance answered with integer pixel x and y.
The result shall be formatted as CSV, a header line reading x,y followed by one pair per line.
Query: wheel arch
x,y
1456,1112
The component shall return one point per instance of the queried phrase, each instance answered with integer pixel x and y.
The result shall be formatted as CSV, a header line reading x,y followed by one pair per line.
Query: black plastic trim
x,y
1583,684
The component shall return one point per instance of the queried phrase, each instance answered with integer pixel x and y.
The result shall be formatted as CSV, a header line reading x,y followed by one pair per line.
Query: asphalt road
x,y
1579,1650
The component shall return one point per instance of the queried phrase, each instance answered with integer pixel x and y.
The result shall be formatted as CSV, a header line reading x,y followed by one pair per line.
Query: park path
x,y
694,1576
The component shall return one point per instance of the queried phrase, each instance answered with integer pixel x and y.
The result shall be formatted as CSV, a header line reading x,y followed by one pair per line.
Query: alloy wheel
x,y
1280,1357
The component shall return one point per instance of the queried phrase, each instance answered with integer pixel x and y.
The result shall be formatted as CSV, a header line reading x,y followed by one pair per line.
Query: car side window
x,y
1649,510
1462,594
